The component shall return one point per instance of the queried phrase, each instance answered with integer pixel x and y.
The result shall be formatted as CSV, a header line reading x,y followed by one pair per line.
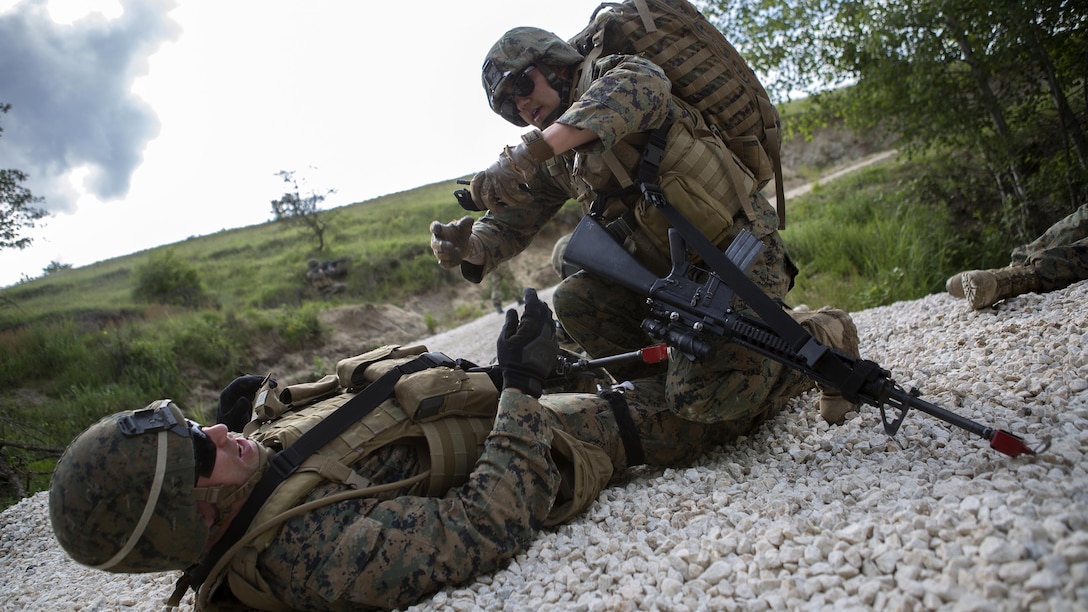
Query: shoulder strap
x,y
288,460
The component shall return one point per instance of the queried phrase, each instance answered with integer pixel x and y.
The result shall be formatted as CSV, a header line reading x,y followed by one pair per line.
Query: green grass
x,y
889,233
263,265
860,244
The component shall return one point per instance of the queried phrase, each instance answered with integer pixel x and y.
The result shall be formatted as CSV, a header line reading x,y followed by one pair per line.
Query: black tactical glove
x,y
527,351
502,183
450,241
236,402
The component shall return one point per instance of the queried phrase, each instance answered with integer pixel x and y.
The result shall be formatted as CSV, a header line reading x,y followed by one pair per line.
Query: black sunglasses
x,y
203,449
522,85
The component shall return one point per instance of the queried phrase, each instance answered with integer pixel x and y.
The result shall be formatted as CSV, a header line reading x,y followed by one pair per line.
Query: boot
x,y
954,285
833,328
498,306
984,288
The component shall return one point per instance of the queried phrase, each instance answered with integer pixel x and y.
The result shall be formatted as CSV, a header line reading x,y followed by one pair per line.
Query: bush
x,y
170,280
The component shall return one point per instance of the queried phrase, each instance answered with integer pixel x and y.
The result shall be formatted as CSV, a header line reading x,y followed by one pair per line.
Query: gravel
x,y
799,516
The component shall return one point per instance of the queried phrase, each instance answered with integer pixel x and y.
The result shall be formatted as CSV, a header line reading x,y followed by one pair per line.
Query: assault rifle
x,y
692,306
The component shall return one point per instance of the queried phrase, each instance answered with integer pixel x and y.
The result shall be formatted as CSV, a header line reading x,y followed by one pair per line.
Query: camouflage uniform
x,y
630,97
1060,256
395,549
499,276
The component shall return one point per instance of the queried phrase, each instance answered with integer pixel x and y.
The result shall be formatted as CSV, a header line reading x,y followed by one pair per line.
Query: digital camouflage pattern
x,y
1060,256
666,439
392,550
101,486
630,97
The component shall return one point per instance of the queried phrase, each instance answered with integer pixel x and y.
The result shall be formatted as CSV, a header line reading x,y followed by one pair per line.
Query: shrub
x,y
168,279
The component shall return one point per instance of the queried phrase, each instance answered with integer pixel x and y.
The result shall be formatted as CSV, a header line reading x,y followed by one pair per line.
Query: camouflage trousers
x,y
499,278
1060,256
735,385
666,439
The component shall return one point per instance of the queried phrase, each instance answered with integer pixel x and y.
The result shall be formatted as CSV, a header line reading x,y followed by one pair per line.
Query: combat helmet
x,y
517,50
121,498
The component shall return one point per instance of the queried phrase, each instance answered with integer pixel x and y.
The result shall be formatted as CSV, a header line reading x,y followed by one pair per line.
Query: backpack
x,y
705,71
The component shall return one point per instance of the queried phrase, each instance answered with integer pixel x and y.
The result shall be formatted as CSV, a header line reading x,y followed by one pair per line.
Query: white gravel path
x,y
800,516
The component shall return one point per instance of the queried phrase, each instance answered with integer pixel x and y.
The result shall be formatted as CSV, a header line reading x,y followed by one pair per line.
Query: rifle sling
x,y
285,462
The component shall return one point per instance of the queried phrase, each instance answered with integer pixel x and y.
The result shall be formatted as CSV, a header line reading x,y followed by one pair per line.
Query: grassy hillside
x,y
261,266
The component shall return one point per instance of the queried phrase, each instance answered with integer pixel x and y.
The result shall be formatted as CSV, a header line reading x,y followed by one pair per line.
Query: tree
x,y
55,266
304,211
984,79
17,211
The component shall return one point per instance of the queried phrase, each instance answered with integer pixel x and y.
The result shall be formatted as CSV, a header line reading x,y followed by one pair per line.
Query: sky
x,y
147,122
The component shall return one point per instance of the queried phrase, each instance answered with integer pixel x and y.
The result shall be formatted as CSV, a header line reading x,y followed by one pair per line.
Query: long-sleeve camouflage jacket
x,y
392,550
629,98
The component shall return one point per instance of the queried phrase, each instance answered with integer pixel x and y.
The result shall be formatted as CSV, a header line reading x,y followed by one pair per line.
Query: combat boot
x,y
954,285
984,288
833,328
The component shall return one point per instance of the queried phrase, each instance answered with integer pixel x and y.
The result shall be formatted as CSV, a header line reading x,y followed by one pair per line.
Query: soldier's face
x,y
539,103
236,458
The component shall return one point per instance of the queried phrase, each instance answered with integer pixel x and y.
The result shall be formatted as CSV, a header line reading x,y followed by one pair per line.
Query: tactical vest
x,y
445,411
705,71
698,175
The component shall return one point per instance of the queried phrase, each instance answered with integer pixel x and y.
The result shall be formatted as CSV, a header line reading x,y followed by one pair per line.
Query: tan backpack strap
x,y
333,470
736,173
353,373
772,142
646,16
617,169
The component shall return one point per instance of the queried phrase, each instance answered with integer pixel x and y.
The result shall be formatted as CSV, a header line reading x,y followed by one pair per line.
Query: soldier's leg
x,y
664,439
494,283
605,320
1060,256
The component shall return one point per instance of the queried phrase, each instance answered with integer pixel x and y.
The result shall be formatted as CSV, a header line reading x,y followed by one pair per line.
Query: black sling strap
x,y
285,462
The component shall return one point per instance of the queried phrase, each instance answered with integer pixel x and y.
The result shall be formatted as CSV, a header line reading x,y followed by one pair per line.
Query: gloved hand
x,y
236,402
450,241
527,350
502,183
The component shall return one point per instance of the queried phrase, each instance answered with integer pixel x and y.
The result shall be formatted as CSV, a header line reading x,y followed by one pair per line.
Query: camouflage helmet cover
x,y
121,498
518,49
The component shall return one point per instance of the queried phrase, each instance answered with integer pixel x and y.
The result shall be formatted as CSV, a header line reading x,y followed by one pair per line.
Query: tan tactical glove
x,y
502,183
450,242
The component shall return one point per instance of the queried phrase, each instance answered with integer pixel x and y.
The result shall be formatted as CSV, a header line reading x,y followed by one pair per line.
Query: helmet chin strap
x,y
223,497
